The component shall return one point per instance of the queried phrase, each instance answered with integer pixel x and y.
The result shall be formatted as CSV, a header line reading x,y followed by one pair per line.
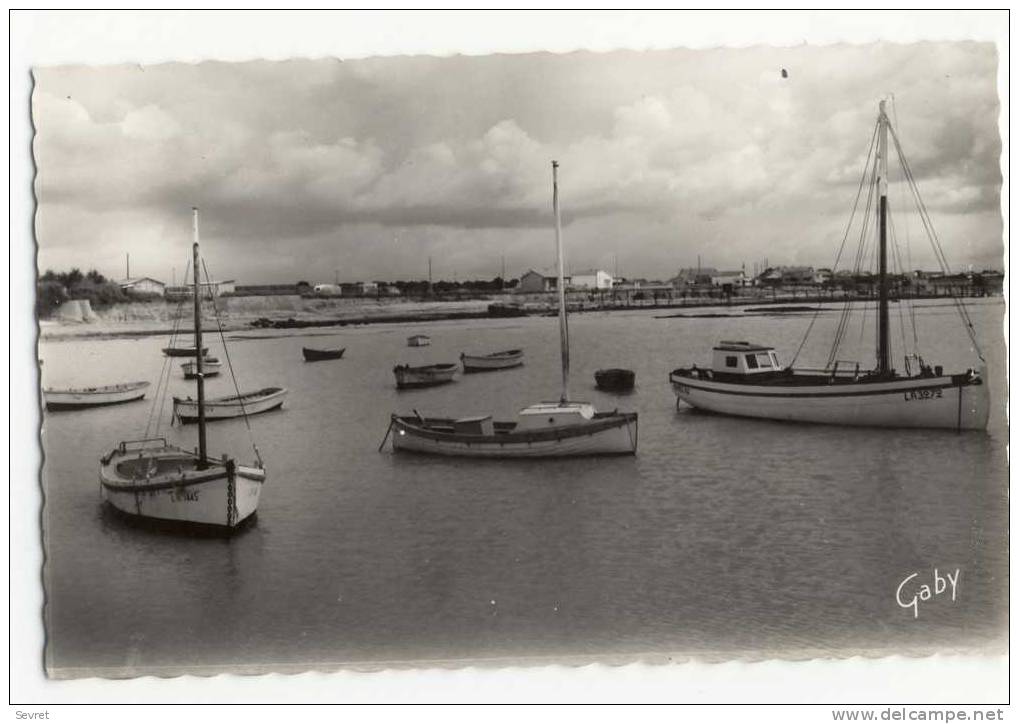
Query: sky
x,y
364,169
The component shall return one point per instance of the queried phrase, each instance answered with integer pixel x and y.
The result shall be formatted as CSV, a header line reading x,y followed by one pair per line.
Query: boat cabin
x,y
544,415
744,358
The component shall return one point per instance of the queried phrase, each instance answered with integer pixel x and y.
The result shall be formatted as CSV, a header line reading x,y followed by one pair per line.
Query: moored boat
x,y
185,351
547,429
211,367
319,355
152,480
419,340
494,361
75,398
224,408
747,379
424,376
614,379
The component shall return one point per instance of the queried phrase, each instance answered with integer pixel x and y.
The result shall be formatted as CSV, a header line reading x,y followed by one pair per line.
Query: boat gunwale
x,y
100,390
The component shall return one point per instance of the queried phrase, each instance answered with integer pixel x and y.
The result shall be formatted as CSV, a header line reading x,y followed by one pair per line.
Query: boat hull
x,y
183,351
956,402
97,397
209,369
194,498
412,377
225,408
491,363
320,355
608,435
614,380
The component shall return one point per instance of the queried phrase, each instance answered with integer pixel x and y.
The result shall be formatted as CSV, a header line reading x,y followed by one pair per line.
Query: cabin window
x,y
764,360
731,361
751,361
774,360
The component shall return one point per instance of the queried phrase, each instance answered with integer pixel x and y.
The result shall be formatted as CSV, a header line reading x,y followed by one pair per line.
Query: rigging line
x,y
160,383
897,265
936,244
843,324
911,306
230,365
845,237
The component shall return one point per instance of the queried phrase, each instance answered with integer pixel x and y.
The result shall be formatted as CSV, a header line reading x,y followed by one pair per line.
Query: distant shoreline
x,y
118,326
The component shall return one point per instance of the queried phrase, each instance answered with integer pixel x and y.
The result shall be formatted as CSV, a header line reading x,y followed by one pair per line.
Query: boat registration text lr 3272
x,y
922,394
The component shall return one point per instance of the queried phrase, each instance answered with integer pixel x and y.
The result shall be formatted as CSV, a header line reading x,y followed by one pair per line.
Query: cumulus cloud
x,y
663,155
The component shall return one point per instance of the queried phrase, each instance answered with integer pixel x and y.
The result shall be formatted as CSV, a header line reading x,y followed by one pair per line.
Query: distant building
x,y
591,279
142,285
535,281
209,290
694,276
326,290
731,279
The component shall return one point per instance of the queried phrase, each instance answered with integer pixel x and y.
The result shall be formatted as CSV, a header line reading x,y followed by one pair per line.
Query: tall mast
x,y
883,364
564,336
200,378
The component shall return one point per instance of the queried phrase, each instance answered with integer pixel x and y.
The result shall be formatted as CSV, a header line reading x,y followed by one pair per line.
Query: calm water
x,y
722,536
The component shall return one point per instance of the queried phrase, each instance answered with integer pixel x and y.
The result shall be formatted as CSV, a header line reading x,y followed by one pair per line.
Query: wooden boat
x,y
747,379
493,361
424,376
211,367
183,351
614,379
78,397
224,408
318,355
419,340
546,429
152,480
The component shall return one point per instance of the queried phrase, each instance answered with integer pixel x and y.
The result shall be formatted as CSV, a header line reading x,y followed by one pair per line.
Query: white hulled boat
x,y
546,429
153,480
211,367
74,398
490,362
748,380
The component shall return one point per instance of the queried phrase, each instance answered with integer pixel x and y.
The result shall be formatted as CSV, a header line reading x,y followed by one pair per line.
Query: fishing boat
x,y
211,367
319,355
423,376
185,351
186,410
545,429
153,480
614,379
419,340
75,398
748,380
494,361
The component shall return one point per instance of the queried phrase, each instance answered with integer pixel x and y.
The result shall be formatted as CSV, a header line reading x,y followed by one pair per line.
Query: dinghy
x,y
423,376
614,379
418,340
211,367
152,480
183,351
185,410
547,429
748,379
494,361
79,397
319,355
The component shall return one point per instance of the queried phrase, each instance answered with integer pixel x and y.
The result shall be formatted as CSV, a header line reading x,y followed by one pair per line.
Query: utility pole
x,y
128,270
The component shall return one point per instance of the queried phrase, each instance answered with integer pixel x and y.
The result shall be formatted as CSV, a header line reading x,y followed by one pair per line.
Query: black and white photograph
x,y
521,358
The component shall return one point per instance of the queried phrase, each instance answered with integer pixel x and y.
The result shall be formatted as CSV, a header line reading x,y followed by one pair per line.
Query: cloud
x,y
673,150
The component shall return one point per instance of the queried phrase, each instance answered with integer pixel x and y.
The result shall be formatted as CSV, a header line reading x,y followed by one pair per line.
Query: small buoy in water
x,y
785,73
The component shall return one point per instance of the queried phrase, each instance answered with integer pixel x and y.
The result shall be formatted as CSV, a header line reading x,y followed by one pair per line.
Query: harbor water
x,y
723,537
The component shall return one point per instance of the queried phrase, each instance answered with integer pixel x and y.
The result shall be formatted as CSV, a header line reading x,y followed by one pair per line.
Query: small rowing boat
x,y
614,379
419,340
183,351
78,397
494,361
424,376
211,367
225,408
318,355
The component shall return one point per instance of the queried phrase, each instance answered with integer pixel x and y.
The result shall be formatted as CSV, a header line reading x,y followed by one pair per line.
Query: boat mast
x,y
564,337
199,378
883,365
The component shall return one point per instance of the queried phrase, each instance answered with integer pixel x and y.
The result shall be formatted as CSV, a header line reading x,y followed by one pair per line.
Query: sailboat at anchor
x,y
545,429
746,379
150,479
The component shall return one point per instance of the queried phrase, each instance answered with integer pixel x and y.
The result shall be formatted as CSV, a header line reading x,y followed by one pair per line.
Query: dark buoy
x,y
785,73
